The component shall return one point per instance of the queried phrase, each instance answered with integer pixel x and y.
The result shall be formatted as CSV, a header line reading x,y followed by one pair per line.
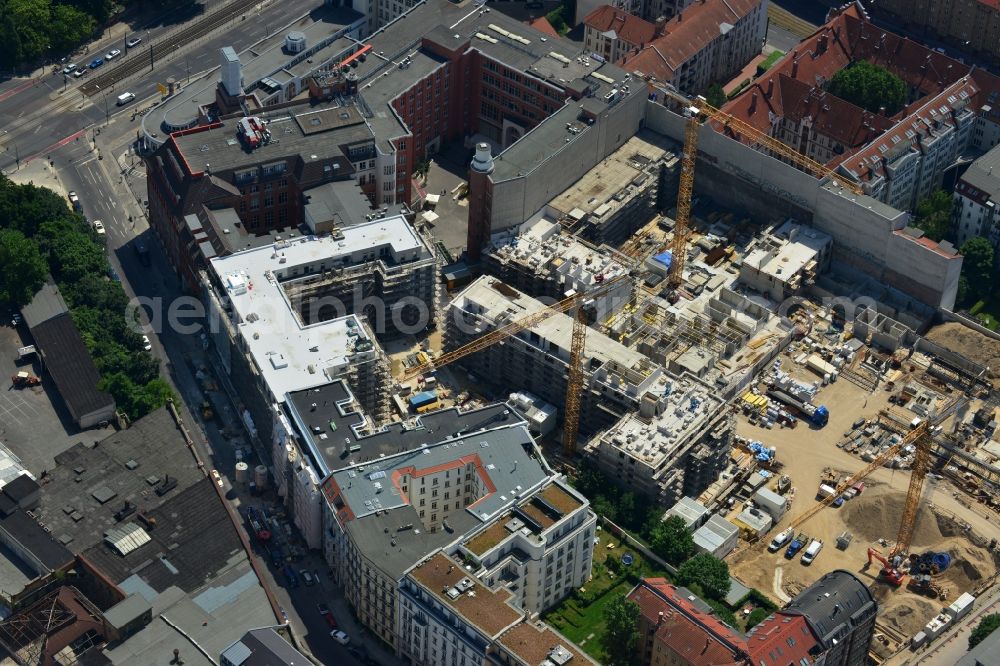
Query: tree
x,y
672,541
715,95
621,632
870,87
68,27
934,215
986,626
757,615
22,268
555,17
709,573
977,265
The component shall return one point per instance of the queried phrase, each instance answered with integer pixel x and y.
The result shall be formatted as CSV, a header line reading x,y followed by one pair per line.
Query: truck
x,y
816,363
825,490
812,551
779,540
819,416
795,546
422,399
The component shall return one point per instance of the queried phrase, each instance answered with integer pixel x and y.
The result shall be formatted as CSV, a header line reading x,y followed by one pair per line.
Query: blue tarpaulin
x,y
664,258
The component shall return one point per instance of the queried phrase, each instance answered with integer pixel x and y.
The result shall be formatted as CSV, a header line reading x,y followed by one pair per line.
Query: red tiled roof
x,y
697,638
541,24
791,89
626,27
685,35
924,120
782,639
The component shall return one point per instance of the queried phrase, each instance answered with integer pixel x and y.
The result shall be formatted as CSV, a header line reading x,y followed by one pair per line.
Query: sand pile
x,y
971,344
875,515
906,618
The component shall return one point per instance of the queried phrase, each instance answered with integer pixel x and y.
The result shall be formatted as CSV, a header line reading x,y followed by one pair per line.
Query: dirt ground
x,y
973,345
873,516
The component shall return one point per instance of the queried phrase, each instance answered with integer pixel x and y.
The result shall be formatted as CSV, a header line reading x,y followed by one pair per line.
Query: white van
x,y
125,98
812,551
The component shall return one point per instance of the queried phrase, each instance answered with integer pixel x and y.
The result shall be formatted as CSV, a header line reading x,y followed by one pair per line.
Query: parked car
x,y
146,344
324,610
307,577
96,62
112,54
133,41
74,200
81,71
99,227
340,637
216,476
70,68
812,551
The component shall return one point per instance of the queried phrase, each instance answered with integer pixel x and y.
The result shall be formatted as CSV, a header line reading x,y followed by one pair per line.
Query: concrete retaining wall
x,y
863,228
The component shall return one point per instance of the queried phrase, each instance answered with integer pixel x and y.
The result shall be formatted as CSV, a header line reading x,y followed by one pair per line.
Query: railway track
x,y
165,46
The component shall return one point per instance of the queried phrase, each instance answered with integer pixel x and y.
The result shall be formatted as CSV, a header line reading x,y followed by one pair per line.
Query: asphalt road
x,y
37,115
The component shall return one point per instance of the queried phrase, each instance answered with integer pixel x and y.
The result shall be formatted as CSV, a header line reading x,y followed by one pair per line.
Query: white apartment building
x,y
397,495
977,200
540,551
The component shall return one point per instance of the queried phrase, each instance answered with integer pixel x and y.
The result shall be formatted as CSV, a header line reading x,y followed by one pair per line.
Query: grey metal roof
x,y
127,610
33,538
45,305
834,604
502,452
984,174
332,416
342,201
71,367
378,538
987,653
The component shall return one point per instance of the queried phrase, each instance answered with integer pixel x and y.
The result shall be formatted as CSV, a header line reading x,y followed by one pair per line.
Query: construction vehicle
x,y
779,540
890,572
819,416
796,545
925,585
575,385
784,483
24,380
812,551
844,540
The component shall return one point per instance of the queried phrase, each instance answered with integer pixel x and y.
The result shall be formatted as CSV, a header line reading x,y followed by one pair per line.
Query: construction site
x,y
836,433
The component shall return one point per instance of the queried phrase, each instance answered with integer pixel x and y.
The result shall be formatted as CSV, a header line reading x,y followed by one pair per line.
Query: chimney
x,y
659,619
753,102
707,643
821,45
795,67
770,87
881,111
661,23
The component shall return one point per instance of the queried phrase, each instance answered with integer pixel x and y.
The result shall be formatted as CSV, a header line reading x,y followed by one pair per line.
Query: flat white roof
x,y
790,249
291,356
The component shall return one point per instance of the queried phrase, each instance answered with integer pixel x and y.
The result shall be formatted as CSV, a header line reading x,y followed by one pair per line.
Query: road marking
x,y
54,146
11,93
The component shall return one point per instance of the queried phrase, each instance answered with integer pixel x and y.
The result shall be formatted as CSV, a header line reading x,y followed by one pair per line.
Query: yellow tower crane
x,y
694,110
576,376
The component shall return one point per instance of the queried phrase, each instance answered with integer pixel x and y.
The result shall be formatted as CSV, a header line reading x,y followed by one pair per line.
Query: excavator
x,y
890,572
24,380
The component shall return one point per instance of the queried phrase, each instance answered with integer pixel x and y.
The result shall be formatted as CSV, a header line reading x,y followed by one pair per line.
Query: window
x,y
387,170
268,200
254,203
282,197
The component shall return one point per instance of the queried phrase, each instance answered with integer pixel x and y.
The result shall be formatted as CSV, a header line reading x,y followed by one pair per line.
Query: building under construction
x,y
622,193
383,270
268,350
675,446
537,359
543,262
722,337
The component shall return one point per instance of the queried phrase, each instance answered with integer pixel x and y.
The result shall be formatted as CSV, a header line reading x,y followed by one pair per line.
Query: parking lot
x,y
34,423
